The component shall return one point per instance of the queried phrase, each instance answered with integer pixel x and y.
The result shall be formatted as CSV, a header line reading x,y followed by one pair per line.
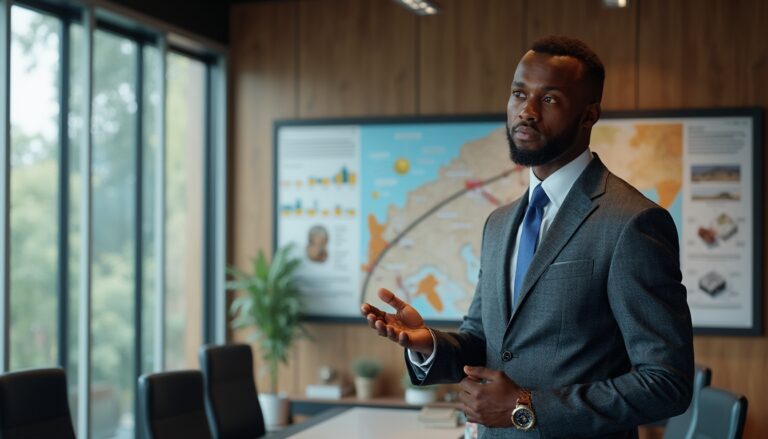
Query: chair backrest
x,y
172,405
33,404
231,399
721,415
681,426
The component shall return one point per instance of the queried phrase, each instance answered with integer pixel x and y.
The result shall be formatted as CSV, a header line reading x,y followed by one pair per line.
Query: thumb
x,y
390,299
479,372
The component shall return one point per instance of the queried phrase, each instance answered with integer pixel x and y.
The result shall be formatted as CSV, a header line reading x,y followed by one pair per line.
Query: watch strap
x,y
524,398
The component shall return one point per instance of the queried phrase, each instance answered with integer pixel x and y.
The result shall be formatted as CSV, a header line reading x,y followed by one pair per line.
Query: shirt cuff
x,y
418,360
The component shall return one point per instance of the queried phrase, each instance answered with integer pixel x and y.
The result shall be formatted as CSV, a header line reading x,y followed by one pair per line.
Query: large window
x,y
185,193
151,145
114,187
149,137
34,181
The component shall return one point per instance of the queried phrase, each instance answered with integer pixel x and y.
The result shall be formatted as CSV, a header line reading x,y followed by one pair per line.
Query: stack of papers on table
x,y
439,417
327,391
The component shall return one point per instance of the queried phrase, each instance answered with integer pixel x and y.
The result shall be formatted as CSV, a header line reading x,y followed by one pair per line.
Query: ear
x,y
591,115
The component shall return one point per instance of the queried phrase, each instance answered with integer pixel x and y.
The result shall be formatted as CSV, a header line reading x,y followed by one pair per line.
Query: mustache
x,y
524,124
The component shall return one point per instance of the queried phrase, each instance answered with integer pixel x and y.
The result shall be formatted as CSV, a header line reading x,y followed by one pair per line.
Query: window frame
x,y
97,15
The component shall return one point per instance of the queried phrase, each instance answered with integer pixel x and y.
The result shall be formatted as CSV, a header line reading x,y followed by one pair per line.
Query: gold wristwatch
x,y
523,417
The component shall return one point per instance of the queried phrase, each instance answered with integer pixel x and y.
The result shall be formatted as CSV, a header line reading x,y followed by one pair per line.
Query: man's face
x,y
544,113
318,239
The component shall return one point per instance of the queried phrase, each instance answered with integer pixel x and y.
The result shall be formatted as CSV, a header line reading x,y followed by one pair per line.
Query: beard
x,y
551,149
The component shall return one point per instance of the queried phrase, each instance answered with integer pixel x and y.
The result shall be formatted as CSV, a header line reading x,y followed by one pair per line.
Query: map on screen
x,y
402,204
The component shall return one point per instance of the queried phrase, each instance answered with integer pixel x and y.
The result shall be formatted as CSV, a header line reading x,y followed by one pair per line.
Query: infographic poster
x,y
401,204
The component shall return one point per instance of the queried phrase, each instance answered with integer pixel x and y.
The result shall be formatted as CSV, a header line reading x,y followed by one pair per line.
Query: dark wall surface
x,y
207,18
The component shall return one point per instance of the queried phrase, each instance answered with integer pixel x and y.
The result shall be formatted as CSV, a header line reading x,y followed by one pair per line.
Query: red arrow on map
x,y
477,184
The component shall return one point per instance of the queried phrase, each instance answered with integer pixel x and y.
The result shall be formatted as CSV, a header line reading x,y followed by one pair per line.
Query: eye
x,y
518,94
549,100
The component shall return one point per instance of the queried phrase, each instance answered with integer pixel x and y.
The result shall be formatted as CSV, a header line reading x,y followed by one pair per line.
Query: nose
x,y
529,112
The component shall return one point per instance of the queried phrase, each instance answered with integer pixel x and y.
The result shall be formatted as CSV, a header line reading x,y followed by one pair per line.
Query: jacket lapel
x,y
507,243
578,205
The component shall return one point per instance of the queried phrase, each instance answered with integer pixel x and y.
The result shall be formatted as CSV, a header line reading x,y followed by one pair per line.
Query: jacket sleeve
x,y
649,304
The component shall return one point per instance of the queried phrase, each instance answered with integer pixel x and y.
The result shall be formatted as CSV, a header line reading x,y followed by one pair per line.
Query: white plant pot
x,y
420,396
364,387
274,407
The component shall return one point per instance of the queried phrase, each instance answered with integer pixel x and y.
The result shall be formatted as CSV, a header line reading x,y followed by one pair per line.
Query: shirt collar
x,y
557,185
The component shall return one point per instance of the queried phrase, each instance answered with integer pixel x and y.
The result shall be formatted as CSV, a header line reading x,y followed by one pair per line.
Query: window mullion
x,y
5,180
207,169
218,145
160,171
62,286
86,248
139,239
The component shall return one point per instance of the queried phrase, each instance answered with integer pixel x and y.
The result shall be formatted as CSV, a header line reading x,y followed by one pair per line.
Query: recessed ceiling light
x,y
421,7
616,3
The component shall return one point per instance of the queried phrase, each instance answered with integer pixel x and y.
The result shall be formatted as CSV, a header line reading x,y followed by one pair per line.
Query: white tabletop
x,y
377,423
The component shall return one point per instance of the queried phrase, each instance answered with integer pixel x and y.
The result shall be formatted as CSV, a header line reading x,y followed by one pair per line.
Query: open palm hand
x,y
405,327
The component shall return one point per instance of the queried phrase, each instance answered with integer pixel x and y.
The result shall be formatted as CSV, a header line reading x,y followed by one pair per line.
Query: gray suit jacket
x,y
602,332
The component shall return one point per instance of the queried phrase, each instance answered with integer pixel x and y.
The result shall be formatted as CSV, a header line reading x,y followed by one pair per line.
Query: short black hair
x,y
556,45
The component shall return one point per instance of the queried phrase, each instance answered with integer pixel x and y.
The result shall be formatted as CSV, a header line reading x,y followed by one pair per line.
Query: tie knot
x,y
539,198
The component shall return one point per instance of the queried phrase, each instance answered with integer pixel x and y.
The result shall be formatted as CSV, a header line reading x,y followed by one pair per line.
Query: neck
x,y
543,171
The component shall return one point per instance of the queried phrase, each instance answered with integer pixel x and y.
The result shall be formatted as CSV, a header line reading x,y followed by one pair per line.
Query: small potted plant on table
x,y
366,371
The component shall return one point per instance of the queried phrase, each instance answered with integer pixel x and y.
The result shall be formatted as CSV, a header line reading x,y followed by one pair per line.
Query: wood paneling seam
x,y
524,30
417,67
637,55
296,59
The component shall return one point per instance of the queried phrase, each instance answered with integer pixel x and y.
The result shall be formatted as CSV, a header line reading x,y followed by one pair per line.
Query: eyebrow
x,y
546,89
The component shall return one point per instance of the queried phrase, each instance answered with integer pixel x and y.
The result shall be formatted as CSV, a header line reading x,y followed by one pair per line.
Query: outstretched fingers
x,y
390,299
372,314
387,325
380,327
392,333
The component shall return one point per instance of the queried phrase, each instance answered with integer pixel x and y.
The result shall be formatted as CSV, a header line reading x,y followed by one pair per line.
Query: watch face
x,y
523,417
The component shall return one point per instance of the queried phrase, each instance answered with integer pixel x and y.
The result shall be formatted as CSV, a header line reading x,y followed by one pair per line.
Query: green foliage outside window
x,y
34,209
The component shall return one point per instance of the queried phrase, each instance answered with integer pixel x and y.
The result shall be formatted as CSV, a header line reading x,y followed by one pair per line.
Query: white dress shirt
x,y
556,186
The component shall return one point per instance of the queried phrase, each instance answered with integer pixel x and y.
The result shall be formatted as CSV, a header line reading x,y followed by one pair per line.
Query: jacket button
x,y
506,356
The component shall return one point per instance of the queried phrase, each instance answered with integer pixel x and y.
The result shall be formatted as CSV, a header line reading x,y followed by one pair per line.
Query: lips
x,y
525,133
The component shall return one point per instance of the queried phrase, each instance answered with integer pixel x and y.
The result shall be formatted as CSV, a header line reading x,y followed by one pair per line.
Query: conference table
x,y
366,423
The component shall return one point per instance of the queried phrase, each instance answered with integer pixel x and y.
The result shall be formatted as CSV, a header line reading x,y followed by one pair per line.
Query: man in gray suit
x,y
579,326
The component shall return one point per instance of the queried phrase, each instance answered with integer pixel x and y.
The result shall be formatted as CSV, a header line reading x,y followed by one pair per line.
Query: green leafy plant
x,y
271,304
366,368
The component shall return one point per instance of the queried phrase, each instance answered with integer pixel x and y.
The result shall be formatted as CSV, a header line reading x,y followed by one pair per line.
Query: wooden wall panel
x,y
712,53
356,58
468,56
611,32
263,88
697,54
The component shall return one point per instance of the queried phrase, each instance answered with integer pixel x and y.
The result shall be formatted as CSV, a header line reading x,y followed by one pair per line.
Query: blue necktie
x,y
529,238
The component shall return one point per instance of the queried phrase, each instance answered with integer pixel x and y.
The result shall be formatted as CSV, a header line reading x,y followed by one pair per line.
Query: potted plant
x,y
271,305
418,395
366,370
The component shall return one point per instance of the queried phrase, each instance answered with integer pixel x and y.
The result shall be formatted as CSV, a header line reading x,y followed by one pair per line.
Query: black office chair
x,y
721,415
231,399
172,405
680,426
33,404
